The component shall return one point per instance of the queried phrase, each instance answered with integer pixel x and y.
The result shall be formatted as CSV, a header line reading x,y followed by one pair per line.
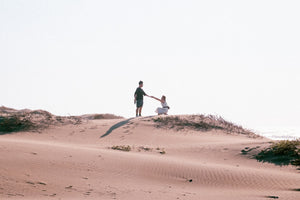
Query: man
x,y
139,99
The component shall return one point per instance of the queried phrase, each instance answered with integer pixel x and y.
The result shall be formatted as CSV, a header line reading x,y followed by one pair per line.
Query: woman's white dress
x,y
163,110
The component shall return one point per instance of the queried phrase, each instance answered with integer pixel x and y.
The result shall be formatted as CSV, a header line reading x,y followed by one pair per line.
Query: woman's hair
x,y
164,97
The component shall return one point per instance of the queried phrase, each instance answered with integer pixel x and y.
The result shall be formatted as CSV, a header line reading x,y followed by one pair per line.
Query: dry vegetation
x,y
128,148
202,123
121,147
12,120
15,123
106,116
26,120
100,116
281,153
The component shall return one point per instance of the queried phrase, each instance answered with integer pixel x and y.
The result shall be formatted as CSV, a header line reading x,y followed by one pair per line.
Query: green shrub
x,y
15,123
296,162
281,153
286,148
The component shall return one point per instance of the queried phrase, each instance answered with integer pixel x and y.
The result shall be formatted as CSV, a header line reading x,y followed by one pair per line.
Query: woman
x,y
165,107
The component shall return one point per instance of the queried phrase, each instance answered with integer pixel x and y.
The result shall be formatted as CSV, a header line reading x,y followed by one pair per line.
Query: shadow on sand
x,y
118,125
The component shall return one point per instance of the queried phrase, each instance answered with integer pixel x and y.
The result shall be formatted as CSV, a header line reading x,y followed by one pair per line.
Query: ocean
x,y
279,133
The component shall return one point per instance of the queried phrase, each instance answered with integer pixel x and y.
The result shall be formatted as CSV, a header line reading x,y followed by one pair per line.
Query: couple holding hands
x,y
139,100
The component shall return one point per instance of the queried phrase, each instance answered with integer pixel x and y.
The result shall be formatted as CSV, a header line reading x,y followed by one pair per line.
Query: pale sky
x,y
238,59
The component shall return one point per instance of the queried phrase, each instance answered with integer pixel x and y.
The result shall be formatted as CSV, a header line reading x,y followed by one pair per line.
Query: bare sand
x,y
75,162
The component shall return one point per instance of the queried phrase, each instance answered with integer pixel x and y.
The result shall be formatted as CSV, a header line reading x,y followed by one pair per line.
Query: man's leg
x,y
136,111
140,111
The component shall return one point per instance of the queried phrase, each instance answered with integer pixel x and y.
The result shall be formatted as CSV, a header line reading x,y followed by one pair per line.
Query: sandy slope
x,y
75,162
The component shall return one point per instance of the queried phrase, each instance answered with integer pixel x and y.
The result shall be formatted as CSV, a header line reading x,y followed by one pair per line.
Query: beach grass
x,y
201,123
283,152
15,123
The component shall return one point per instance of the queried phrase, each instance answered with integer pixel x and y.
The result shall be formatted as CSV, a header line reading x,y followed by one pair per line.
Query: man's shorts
x,y
139,103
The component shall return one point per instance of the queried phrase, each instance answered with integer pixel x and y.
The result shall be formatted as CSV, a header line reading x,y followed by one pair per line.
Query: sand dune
x,y
73,161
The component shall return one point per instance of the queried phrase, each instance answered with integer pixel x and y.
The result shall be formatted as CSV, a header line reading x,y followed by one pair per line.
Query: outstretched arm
x,y
155,98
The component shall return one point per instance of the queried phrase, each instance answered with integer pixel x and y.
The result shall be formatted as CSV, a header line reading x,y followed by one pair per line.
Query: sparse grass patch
x,y
106,116
180,123
284,152
141,148
26,120
121,148
200,122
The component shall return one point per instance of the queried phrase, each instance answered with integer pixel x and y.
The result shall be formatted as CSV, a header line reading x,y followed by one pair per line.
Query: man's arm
x,y
155,98
144,93
135,93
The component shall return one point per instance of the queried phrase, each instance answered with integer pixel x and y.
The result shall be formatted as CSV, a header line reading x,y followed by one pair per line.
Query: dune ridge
x,y
12,120
73,161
